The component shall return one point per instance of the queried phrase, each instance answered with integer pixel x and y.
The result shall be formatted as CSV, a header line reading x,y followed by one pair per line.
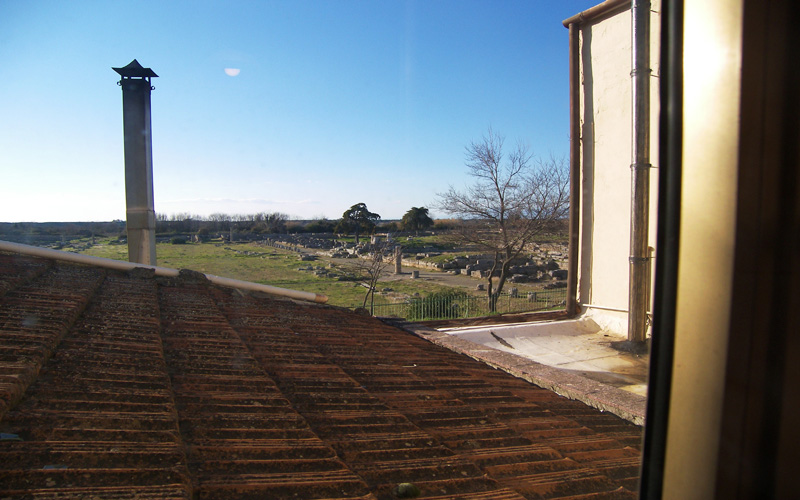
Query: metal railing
x,y
461,305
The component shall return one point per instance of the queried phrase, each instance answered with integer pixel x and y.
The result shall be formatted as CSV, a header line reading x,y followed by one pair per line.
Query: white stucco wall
x,y
606,114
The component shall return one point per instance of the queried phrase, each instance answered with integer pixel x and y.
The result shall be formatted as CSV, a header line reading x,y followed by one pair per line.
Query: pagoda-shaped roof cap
x,y
134,69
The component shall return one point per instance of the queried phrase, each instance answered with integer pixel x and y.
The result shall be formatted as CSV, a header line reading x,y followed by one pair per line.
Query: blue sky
x,y
335,102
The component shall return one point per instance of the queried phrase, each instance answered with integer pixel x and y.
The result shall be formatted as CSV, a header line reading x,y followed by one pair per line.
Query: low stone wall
x,y
420,264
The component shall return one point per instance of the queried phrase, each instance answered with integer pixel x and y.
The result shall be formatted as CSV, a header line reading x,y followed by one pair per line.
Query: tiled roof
x,y
125,385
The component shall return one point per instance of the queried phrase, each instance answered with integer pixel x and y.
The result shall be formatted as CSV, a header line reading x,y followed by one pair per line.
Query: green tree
x,y
358,219
417,219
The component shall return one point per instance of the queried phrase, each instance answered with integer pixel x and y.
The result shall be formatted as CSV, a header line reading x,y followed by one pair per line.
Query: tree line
x,y
260,222
357,220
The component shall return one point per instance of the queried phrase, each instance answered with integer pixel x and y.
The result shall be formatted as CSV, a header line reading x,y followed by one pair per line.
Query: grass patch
x,y
264,265
281,268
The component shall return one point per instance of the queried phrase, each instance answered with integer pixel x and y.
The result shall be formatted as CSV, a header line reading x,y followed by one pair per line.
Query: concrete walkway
x,y
574,358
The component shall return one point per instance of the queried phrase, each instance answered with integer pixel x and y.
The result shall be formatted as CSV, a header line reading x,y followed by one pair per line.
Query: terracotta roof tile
x,y
100,414
34,317
130,386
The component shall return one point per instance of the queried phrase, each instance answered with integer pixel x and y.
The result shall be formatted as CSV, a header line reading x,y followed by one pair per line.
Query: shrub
x,y
320,226
389,227
437,305
178,240
445,224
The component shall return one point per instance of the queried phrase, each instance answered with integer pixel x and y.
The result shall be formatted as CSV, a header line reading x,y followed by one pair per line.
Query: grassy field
x,y
259,264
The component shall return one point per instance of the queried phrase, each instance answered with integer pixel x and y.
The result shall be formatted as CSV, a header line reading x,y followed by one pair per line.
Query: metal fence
x,y
462,305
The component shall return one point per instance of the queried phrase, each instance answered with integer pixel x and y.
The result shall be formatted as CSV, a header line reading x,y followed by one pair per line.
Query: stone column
x,y
398,259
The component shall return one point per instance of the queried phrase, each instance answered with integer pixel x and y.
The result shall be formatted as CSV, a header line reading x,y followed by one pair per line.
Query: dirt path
x,y
435,276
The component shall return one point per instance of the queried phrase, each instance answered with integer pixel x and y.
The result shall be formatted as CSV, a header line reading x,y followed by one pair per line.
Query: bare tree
x,y
368,270
514,199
